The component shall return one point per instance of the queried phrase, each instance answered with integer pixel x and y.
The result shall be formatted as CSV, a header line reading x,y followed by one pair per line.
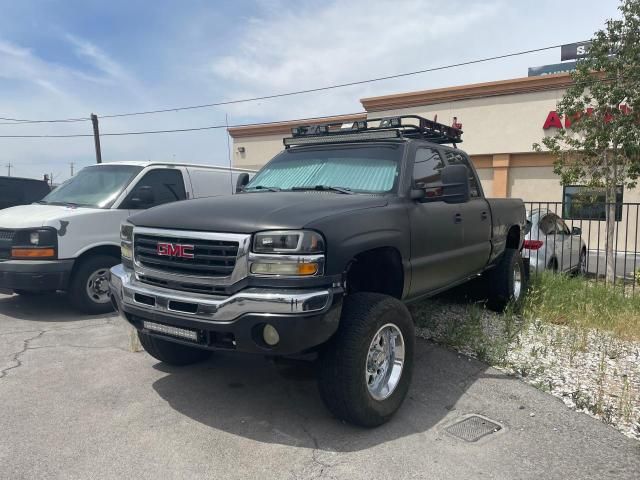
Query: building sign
x,y
554,120
552,69
574,51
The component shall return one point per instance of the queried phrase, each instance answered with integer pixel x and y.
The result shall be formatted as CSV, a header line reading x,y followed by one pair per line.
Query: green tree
x,y
600,149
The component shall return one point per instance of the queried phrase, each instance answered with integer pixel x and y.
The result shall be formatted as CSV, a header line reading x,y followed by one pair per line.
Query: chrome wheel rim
x,y
385,361
583,264
98,286
517,282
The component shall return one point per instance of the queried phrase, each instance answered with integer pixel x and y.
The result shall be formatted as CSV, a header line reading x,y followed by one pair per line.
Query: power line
x,y
175,130
117,134
214,127
13,121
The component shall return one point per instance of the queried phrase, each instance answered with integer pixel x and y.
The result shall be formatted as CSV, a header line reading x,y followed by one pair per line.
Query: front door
x,y
436,231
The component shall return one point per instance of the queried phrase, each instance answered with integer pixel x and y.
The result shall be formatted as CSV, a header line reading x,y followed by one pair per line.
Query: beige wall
x,y
257,150
534,184
504,124
486,179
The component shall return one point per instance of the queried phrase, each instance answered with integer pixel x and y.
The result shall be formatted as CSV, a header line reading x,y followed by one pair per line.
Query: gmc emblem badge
x,y
174,250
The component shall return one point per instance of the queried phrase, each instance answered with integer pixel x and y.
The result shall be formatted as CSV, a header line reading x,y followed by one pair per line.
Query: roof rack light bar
x,y
345,137
402,126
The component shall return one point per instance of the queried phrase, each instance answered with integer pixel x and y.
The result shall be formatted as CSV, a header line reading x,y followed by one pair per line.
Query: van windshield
x,y
355,169
97,186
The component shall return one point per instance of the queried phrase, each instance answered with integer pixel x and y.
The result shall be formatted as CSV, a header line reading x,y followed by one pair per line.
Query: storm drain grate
x,y
473,428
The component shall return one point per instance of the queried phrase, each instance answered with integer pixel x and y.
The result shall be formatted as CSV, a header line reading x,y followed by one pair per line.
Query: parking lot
x,y
76,403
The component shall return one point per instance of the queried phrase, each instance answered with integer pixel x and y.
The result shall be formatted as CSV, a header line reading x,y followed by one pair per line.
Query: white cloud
x,y
339,42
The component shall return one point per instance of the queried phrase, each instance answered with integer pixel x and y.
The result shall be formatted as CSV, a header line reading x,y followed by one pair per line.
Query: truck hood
x,y
251,212
37,215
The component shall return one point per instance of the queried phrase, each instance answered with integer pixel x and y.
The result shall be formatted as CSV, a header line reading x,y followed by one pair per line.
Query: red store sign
x,y
555,121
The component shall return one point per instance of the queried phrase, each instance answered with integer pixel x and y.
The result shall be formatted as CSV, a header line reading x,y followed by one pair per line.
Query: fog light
x,y
270,335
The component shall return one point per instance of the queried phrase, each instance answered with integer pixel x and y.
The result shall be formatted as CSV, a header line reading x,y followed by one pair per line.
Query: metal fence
x,y
572,237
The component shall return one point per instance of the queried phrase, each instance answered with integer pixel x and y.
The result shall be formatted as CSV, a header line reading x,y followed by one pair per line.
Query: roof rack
x,y
401,126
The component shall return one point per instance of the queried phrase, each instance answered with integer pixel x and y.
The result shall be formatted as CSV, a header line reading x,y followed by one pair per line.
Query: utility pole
x,y
96,137
71,164
9,167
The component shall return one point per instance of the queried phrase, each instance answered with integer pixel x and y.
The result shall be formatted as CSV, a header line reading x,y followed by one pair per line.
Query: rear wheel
x,y
172,353
581,269
365,369
507,281
89,287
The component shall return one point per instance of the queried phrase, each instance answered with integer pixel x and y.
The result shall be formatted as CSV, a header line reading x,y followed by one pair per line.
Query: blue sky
x,y
69,58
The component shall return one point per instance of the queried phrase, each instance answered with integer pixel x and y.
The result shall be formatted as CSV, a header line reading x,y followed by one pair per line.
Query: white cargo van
x,y
70,239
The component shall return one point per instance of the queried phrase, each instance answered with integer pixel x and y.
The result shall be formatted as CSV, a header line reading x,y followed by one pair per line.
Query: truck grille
x,y
6,236
211,258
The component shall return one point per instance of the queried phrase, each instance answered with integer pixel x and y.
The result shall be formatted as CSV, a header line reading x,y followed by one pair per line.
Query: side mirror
x,y
142,197
455,184
576,231
242,181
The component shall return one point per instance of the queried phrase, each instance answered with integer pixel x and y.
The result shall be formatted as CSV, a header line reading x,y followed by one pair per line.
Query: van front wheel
x,y
89,288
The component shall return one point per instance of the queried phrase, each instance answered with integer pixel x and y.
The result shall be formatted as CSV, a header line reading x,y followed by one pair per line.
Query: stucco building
x,y
501,121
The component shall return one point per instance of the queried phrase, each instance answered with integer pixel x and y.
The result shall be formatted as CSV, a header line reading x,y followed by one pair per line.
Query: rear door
x,y
570,252
436,233
475,218
552,241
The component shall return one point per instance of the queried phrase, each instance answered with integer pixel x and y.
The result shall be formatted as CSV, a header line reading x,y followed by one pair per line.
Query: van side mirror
x,y
576,231
242,181
142,197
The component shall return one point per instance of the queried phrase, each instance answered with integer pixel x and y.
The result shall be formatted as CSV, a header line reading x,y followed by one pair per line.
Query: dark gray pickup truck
x,y
319,254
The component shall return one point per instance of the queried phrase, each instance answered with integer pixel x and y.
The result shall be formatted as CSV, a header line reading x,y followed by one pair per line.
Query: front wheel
x,y
366,367
89,287
507,281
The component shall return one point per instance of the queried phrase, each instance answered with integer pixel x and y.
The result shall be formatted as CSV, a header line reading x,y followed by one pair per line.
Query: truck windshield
x,y
357,168
96,186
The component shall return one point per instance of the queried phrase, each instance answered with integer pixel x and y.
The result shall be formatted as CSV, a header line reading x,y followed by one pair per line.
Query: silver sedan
x,y
551,245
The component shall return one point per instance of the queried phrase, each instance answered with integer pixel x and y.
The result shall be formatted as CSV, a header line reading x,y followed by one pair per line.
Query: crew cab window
x,y
167,186
427,166
457,158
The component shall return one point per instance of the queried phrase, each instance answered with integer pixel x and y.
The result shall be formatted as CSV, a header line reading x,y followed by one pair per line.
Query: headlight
x,y
39,243
126,240
287,253
126,232
288,242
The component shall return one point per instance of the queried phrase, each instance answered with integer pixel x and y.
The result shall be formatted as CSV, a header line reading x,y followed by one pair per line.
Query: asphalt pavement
x,y
76,403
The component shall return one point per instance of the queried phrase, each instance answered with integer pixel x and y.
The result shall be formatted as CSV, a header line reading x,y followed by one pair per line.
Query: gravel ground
x,y
591,371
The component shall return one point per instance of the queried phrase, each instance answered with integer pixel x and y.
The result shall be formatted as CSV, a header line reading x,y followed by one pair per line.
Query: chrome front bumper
x,y
128,291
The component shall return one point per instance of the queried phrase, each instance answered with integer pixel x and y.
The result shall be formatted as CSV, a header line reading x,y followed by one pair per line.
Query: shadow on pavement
x,y
53,307
252,397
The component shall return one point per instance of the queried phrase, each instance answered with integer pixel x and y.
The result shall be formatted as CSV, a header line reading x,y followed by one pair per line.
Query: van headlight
x,y
39,243
126,241
288,253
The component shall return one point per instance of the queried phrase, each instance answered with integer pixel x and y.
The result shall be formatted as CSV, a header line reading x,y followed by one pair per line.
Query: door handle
x,y
457,218
484,215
